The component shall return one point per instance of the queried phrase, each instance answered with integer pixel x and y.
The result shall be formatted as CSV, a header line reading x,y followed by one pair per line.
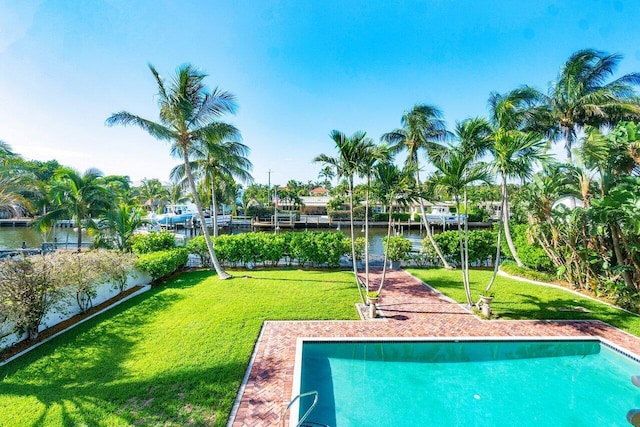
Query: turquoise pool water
x,y
470,383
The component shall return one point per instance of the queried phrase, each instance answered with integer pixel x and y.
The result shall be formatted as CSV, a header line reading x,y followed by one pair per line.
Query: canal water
x,y
13,237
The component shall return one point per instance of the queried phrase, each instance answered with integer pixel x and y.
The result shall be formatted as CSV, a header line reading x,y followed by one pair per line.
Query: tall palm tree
x,y
221,155
422,127
514,154
582,96
351,150
514,150
188,116
81,196
455,170
370,156
328,174
394,187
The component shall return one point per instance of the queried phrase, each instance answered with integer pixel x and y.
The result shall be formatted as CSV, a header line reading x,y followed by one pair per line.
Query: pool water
x,y
470,383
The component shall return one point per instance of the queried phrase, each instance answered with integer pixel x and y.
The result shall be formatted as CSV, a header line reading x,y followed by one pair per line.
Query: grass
x,y
519,300
173,356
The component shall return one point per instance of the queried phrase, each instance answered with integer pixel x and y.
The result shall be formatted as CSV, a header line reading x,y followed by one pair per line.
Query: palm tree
x,y
13,184
120,223
370,156
351,151
514,154
455,170
328,174
220,156
81,196
514,150
392,187
152,194
582,96
188,116
422,127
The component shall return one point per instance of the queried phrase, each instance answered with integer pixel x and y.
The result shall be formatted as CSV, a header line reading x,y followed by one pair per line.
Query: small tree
x,y
117,266
29,288
83,272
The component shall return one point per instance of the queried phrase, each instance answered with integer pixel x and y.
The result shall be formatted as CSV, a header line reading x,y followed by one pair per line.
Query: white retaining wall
x,y
105,291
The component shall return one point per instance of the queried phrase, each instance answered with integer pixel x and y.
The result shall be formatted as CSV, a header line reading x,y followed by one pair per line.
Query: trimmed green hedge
x,y
399,248
162,263
398,216
152,242
482,245
309,247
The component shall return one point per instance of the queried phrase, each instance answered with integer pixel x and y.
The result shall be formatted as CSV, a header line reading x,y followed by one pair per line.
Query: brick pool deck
x,y
411,310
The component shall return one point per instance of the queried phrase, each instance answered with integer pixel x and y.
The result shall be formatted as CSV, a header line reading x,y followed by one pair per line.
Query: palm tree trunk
x,y
466,238
496,261
366,238
617,250
353,241
386,251
79,235
507,231
467,291
212,253
214,207
568,142
423,217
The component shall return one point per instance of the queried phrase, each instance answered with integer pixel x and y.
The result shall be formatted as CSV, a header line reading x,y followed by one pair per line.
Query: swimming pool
x,y
479,383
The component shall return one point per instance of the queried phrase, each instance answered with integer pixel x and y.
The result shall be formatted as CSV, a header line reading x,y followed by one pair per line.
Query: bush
x,y
162,263
530,253
262,212
83,272
397,216
29,287
482,245
152,242
319,248
399,248
198,246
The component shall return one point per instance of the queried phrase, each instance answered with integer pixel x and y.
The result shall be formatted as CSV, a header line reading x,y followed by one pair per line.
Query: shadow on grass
x,y
87,395
75,375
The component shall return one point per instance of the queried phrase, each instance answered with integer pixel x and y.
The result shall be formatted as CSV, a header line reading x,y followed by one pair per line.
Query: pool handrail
x,y
306,414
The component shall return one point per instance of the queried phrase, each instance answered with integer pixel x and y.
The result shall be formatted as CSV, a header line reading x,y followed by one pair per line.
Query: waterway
x,y
13,237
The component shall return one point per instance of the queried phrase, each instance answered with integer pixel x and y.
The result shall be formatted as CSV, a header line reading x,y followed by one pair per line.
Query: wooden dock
x,y
16,222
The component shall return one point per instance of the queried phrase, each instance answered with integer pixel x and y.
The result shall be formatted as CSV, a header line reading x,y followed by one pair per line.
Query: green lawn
x,y
520,300
173,356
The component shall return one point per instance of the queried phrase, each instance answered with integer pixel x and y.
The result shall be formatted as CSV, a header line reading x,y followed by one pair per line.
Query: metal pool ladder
x,y
302,422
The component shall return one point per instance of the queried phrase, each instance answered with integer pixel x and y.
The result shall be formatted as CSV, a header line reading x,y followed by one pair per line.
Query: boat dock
x,y
16,222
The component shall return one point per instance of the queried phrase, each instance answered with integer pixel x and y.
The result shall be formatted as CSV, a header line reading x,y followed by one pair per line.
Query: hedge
x,y
152,242
162,263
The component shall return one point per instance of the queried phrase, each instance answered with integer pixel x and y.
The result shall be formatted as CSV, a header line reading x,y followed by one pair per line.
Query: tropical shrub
x,y
162,263
482,245
397,216
82,272
530,253
29,288
152,242
118,266
399,248
198,246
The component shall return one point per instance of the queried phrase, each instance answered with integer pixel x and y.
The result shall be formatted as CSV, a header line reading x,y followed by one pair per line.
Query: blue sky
x,y
298,68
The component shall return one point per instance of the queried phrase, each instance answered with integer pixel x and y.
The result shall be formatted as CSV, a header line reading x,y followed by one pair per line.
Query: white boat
x,y
445,219
175,214
180,214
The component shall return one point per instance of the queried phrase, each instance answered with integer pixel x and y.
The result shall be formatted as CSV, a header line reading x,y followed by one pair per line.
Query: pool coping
x,y
268,384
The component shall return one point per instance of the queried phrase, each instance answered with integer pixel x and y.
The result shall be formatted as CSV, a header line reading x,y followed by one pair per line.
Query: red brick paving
x,y
412,310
